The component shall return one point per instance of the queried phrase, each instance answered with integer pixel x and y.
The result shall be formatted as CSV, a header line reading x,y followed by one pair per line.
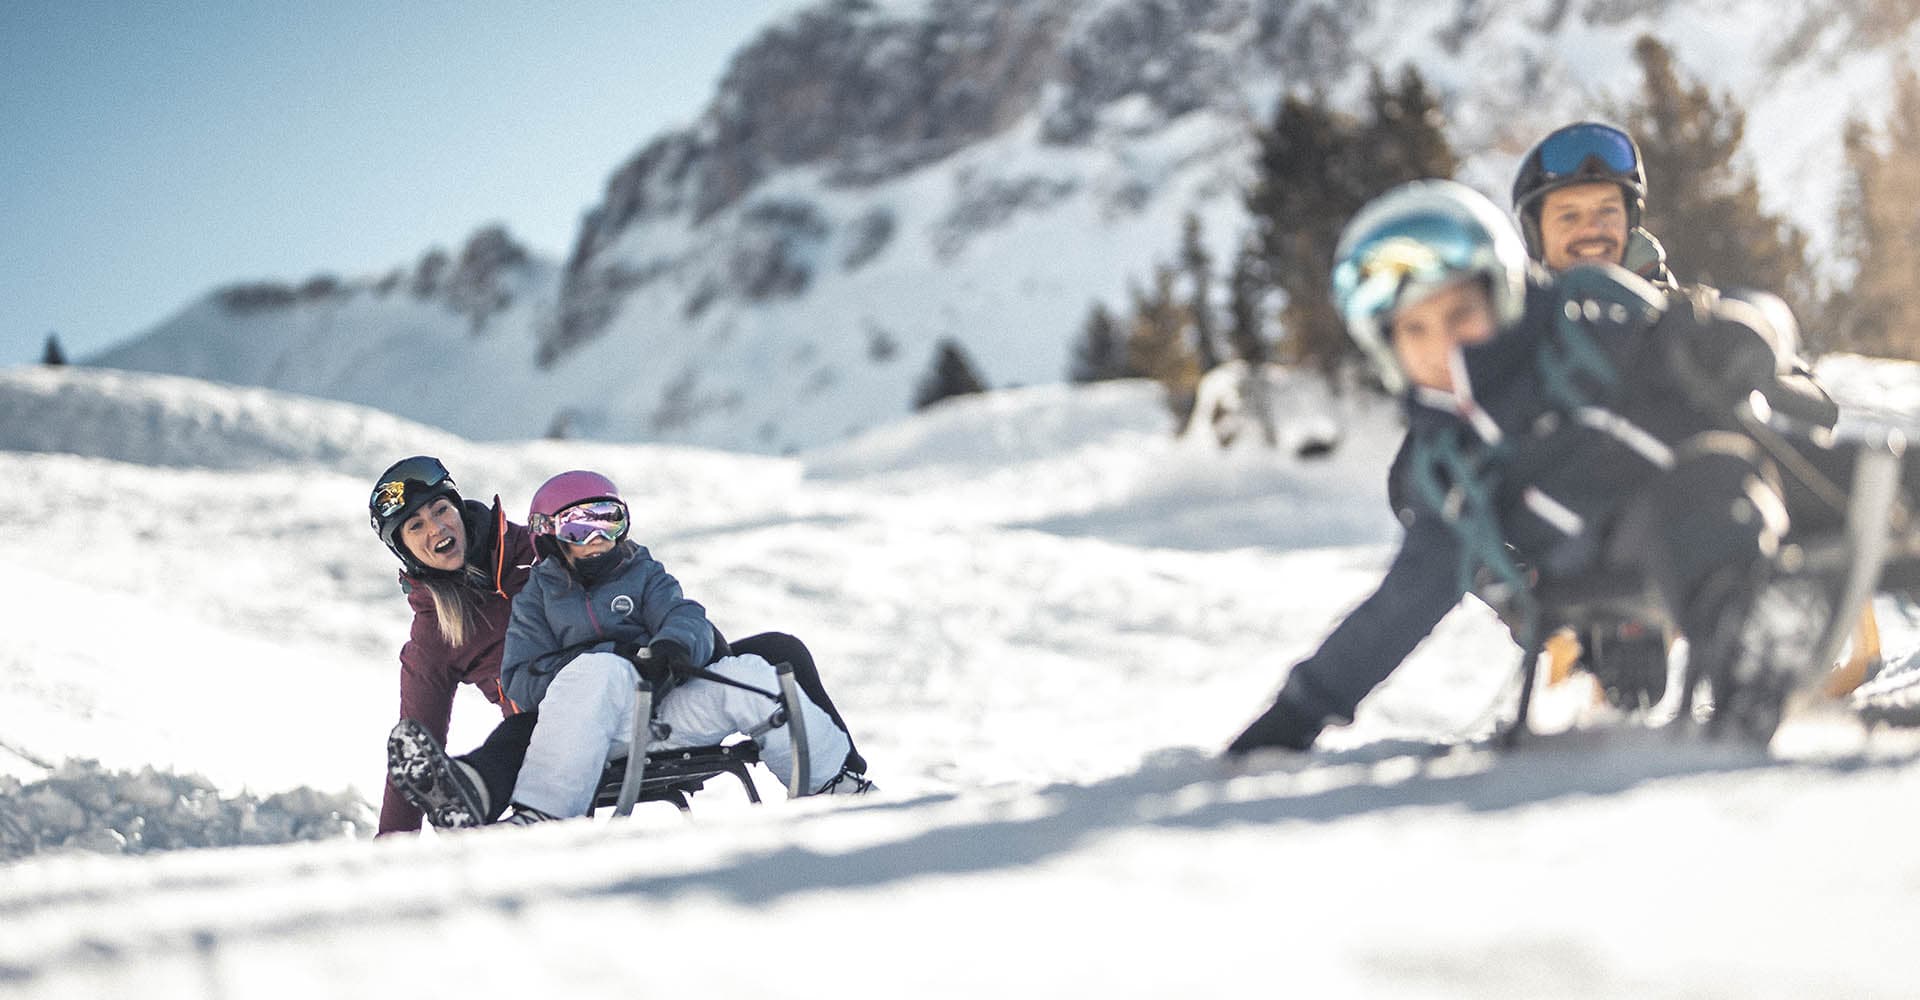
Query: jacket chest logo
x,y
621,605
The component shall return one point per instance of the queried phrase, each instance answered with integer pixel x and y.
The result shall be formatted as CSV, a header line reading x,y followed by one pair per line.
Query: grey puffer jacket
x,y
557,616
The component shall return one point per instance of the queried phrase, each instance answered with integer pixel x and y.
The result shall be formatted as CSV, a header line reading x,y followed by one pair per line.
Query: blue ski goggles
x,y
1588,148
1407,261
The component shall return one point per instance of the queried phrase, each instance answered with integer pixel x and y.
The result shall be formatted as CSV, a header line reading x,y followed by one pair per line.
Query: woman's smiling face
x,y
437,536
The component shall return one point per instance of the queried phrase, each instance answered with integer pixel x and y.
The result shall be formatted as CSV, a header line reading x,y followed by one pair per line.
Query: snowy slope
x,y
395,351
1042,613
873,178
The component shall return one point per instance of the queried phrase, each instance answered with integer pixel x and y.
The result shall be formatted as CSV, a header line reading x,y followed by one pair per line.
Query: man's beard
x,y
1608,246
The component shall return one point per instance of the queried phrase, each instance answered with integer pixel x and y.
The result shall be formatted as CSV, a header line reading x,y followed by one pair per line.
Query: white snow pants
x,y
586,718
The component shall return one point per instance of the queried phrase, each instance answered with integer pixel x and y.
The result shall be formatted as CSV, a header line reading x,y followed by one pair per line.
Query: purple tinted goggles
x,y
584,522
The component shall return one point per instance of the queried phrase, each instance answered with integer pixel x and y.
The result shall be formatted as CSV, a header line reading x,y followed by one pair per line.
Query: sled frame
x,y
674,774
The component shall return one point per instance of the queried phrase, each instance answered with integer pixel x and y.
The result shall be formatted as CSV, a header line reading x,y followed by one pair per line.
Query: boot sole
x,y
422,772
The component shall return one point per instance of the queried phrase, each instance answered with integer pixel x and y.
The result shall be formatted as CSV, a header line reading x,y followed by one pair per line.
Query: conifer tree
x,y
1879,233
1246,307
1298,204
1100,353
1197,264
1405,136
1701,205
1157,344
952,375
1316,168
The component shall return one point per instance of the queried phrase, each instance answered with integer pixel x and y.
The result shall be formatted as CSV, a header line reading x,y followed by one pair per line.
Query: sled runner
x,y
1795,621
1601,598
455,792
671,775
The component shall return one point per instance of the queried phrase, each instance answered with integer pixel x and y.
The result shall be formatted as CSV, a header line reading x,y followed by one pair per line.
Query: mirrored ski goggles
x,y
407,479
1577,149
584,522
1404,263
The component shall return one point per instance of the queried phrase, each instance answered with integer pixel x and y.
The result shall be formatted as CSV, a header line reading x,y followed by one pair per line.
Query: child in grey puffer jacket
x,y
595,590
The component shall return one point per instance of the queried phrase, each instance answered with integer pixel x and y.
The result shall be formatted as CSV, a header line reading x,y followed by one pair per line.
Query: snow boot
x,y
1283,725
847,782
447,791
1892,697
526,816
1629,660
1772,653
1791,629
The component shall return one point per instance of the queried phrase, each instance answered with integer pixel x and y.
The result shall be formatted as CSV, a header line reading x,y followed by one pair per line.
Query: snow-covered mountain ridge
x,y
871,178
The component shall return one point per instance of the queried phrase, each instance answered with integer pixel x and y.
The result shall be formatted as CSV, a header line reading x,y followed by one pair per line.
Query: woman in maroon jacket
x,y
461,563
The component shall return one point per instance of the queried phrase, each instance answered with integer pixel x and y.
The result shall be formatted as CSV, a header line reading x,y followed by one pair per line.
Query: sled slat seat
x,y
672,775
1596,597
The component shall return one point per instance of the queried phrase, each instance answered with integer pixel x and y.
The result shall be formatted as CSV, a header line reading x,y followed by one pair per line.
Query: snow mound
x,y
1873,392
994,430
81,806
165,420
1104,461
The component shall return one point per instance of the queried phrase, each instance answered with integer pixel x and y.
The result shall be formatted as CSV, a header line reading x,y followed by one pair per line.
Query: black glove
x,y
1284,725
670,658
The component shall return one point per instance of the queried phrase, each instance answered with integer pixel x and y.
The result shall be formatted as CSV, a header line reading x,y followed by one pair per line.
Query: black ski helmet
x,y
1579,153
405,487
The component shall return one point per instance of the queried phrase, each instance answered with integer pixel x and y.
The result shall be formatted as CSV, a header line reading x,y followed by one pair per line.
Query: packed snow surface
x,y
1043,614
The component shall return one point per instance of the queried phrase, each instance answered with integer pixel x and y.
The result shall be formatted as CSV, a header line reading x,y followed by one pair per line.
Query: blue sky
x,y
152,151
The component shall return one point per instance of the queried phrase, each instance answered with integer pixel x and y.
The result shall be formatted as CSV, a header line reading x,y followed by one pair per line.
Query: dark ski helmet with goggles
x,y
407,486
1410,243
575,508
1580,153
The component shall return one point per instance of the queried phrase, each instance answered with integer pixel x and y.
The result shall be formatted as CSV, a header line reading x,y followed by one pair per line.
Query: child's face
x,y
593,548
1427,333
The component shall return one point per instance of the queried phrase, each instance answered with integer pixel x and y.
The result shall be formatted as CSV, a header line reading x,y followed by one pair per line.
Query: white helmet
x,y
1413,241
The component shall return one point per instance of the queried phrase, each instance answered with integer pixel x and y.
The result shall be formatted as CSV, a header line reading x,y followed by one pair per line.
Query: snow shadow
x,y
1189,789
1280,520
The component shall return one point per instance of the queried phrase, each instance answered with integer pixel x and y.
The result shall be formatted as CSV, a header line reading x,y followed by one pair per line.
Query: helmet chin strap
x,y
1469,408
1459,401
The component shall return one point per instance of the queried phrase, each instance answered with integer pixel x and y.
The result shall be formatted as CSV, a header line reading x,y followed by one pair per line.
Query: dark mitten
x,y
1730,349
1284,725
670,658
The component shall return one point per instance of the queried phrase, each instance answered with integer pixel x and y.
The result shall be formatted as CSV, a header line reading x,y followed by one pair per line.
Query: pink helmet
x,y
570,489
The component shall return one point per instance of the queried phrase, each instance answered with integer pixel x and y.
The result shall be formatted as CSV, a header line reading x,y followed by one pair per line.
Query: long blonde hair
x,y
454,608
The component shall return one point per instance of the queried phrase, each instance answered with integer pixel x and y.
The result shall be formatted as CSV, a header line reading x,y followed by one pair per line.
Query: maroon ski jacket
x,y
498,556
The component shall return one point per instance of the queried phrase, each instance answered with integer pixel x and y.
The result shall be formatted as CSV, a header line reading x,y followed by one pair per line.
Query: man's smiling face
x,y
1583,224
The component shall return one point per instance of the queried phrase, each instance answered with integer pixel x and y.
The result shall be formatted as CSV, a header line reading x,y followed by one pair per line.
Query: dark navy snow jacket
x,y
1574,409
